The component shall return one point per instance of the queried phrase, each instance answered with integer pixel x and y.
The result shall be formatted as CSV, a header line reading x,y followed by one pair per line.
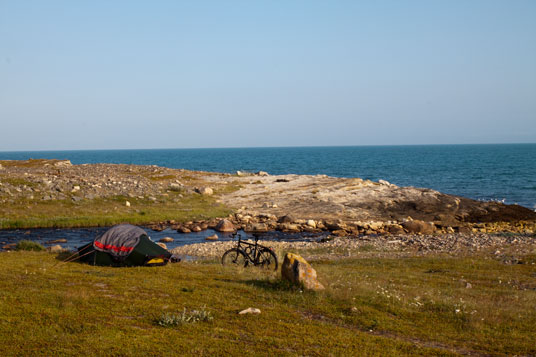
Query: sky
x,y
78,75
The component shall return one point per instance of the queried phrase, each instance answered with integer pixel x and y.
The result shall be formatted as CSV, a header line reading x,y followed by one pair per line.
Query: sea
x,y
498,172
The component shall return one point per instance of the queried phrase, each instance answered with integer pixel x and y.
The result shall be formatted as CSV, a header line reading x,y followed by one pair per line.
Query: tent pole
x,y
68,260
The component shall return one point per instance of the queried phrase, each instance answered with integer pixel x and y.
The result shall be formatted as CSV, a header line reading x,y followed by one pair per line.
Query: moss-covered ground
x,y
436,305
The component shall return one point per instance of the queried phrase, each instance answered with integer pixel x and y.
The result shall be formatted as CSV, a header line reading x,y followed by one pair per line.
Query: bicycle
x,y
246,253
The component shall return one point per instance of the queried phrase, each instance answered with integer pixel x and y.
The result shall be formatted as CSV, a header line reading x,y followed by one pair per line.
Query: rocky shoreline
x,y
502,247
344,207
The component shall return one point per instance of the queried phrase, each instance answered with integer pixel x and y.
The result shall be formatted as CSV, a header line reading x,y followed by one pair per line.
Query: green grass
x,y
17,181
108,211
29,245
373,306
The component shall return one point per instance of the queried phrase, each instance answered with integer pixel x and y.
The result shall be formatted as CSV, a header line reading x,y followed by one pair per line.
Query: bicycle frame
x,y
247,247
246,253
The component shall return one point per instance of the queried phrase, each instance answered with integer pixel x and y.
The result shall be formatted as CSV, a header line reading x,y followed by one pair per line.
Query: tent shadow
x,y
65,255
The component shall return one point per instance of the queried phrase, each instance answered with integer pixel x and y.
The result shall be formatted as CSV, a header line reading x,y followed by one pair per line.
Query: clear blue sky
x,y
173,74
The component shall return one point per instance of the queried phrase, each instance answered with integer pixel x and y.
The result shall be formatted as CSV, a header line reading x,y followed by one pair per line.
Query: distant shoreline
x,y
254,147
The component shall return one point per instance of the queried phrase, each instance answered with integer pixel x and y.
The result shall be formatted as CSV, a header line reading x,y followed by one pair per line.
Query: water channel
x,y
72,238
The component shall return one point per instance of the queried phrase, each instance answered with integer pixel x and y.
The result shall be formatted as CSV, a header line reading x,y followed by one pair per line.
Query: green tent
x,y
124,245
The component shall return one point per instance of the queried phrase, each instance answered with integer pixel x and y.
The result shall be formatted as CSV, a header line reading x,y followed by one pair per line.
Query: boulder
x,y
225,226
204,191
335,226
463,230
340,233
212,237
166,240
175,187
285,219
196,229
262,173
289,227
183,229
375,225
162,245
257,228
63,163
311,223
395,229
417,226
56,249
296,270
56,241
127,203
250,310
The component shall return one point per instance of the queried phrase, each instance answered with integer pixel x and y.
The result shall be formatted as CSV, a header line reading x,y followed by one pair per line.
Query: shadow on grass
x,y
269,284
275,285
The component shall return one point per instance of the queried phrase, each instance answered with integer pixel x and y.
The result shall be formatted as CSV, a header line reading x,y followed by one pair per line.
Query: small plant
x,y
29,245
193,316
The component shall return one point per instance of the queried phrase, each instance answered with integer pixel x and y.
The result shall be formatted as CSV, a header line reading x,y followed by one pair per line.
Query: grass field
x,y
437,305
108,211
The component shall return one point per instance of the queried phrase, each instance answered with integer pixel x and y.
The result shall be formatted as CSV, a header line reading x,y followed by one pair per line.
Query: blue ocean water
x,y
503,172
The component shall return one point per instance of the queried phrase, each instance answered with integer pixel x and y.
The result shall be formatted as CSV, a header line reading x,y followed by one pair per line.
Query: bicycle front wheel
x,y
268,259
234,257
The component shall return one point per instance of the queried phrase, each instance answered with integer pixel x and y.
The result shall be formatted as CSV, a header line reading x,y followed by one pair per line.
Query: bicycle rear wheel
x,y
267,259
234,257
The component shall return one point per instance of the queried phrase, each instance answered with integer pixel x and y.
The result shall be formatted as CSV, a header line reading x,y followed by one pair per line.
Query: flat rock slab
x,y
354,199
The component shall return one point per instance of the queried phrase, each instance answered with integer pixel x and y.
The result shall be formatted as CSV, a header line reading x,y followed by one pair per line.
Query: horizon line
x,y
263,147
